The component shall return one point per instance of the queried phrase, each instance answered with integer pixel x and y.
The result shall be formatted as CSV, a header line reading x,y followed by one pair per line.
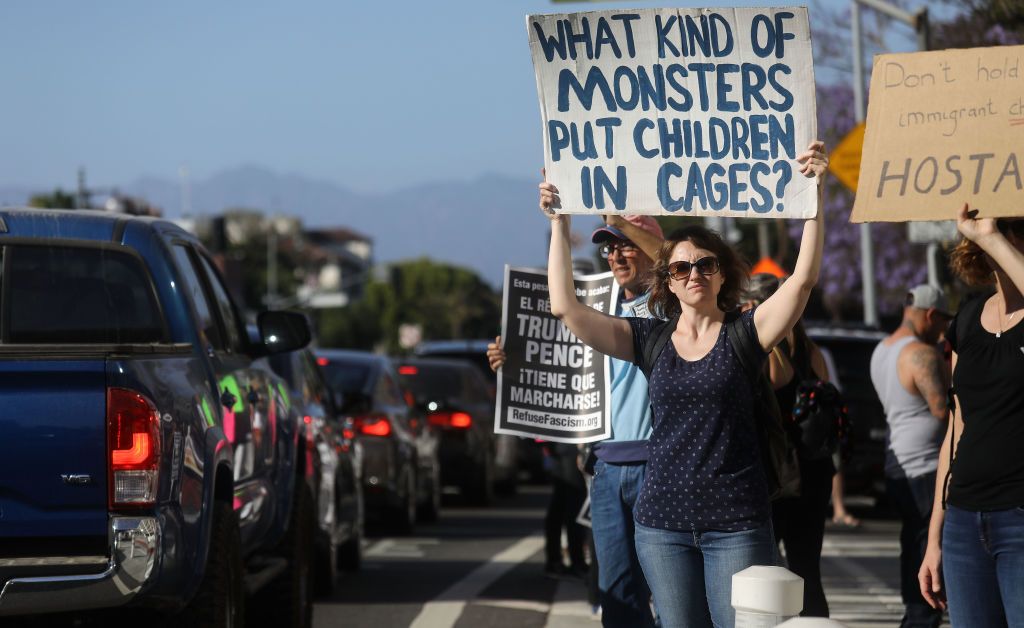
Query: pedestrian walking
x,y
908,374
798,522
975,556
703,513
628,244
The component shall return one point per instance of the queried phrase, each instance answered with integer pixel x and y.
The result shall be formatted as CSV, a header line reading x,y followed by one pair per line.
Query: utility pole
x,y
919,22
186,192
271,297
82,196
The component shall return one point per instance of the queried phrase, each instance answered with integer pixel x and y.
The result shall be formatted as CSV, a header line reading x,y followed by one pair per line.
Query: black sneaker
x,y
555,571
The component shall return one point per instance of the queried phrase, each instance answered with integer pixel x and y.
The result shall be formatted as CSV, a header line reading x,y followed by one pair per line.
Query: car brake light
x,y
408,370
322,361
374,426
458,420
133,440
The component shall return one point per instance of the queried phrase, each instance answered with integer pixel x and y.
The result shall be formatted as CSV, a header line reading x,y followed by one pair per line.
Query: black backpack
x,y
779,456
820,421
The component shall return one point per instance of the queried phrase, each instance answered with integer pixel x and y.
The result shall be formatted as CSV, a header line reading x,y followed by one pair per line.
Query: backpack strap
x,y
747,350
656,340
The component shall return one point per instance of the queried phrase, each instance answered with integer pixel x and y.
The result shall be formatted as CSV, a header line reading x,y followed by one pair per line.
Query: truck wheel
x,y
405,513
220,601
290,596
325,563
430,509
350,553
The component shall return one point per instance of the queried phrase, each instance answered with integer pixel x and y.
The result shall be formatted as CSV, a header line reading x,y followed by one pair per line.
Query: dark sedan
x,y
460,403
340,534
401,472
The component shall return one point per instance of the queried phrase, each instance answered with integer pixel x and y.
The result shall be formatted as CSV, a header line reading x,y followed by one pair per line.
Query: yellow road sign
x,y
844,162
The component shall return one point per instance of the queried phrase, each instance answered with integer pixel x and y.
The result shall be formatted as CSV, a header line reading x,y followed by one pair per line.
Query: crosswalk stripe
x,y
444,610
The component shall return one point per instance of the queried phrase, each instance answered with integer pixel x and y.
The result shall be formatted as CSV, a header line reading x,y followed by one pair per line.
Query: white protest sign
x,y
677,111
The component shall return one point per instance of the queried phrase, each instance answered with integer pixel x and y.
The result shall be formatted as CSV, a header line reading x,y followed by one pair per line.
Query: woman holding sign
x,y
704,511
976,534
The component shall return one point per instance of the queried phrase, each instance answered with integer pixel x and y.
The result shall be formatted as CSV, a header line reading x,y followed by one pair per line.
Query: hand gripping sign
x,y
677,111
552,386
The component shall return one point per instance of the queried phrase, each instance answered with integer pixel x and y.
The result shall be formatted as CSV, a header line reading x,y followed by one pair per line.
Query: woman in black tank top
x,y
799,522
975,555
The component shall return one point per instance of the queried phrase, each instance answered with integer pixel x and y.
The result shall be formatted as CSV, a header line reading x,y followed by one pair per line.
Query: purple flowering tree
x,y
899,264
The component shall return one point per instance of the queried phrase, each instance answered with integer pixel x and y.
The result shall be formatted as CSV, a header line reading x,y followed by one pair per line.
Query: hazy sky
x,y
372,95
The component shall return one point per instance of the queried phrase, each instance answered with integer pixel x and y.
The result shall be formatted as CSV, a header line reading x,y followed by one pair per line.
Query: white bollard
x,y
812,622
766,596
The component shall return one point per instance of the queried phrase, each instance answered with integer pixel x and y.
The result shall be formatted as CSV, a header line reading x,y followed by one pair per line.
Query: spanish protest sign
x,y
677,111
552,386
944,128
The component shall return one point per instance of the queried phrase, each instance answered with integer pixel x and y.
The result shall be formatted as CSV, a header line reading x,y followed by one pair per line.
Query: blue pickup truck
x,y
149,457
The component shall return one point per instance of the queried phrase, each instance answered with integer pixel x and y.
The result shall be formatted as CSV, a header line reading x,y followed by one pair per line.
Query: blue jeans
x,y
983,567
625,598
691,572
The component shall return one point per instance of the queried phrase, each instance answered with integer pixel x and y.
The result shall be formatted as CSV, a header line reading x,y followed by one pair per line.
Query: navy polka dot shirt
x,y
704,468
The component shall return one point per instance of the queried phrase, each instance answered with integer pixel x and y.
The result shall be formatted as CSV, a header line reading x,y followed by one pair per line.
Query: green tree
x,y
446,301
58,199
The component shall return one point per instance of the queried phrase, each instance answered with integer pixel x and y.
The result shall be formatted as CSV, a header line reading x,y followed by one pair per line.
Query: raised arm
x,y
779,312
647,241
983,232
607,334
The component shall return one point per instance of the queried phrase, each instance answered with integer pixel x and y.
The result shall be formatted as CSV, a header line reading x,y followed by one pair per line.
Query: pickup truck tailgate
x,y
53,472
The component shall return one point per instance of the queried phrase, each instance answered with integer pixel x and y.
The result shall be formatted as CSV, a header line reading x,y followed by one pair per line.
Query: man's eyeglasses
x,y
705,266
626,249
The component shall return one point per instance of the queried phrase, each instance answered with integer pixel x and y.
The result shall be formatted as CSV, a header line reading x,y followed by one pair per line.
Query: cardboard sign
x,y
944,128
677,111
552,386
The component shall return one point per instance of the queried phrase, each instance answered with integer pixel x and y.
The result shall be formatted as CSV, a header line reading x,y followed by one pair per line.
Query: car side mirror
x,y
283,331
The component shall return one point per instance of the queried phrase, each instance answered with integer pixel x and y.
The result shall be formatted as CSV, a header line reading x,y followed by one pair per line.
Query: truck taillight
x,y
133,443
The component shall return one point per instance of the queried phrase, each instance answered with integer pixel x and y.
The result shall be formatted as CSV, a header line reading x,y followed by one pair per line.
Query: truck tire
x,y
404,514
325,566
220,601
430,509
350,553
289,598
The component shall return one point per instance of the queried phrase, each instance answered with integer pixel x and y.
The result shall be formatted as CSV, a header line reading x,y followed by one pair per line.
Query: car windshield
x,y
78,294
347,377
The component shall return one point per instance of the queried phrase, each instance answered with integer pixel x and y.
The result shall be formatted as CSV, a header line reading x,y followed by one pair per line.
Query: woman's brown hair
x,y
733,267
969,262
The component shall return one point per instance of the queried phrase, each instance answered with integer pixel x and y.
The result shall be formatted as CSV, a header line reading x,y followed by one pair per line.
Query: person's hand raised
x,y
814,160
973,228
495,354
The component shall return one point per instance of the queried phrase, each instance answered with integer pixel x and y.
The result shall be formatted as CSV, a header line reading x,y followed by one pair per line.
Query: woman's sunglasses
x,y
705,266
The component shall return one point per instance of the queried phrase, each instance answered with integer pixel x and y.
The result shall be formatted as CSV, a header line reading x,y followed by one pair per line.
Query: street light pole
x,y
867,249
919,22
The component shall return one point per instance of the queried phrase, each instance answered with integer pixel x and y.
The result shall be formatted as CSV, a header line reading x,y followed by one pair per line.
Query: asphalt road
x,y
483,567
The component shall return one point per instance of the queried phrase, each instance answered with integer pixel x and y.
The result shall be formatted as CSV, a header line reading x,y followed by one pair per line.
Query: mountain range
x,y
481,223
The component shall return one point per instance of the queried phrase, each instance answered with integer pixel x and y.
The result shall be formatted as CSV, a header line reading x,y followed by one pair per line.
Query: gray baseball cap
x,y
927,296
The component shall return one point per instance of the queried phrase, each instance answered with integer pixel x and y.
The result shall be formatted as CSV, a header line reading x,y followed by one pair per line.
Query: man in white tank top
x,y
911,380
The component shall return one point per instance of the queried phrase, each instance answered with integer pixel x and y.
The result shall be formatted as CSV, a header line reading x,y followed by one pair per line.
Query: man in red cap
x,y
629,243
